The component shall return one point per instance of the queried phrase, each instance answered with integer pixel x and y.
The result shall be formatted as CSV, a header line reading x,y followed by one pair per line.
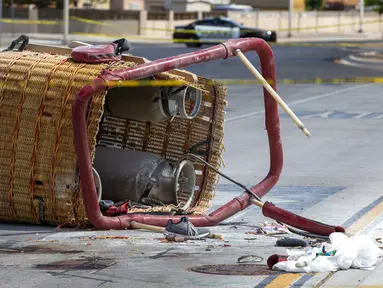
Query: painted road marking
x,y
366,219
321,96
283,281
336,115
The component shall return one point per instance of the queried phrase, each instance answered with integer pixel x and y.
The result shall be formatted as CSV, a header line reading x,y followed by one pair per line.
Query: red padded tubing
x,y
237,204
271,211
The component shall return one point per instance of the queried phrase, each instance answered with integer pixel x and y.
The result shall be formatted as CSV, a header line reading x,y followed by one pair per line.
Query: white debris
x,y
358,252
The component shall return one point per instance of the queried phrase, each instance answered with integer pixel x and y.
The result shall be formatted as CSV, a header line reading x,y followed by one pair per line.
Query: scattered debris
x,y
215,236
359,252
209,247
292,242
174,238
225,245
250,238
103,237
169,239
275,258
270,229
249,259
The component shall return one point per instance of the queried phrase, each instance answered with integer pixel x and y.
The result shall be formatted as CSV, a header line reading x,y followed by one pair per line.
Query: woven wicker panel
x,y
39,176
38,161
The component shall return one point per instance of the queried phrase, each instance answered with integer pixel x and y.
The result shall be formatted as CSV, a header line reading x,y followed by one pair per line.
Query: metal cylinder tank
x,y
153,103
134,175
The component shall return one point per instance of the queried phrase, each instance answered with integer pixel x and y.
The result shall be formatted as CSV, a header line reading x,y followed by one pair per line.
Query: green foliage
x,y
377,3
314,4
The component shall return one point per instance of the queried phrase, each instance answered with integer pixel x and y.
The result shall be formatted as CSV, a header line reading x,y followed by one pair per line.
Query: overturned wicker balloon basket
x,y
81,144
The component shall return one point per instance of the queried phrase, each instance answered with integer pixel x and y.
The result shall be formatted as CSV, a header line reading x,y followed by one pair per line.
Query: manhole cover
x,y
235,269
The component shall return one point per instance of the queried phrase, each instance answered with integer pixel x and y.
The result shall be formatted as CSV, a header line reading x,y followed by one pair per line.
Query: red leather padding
x,y
95,53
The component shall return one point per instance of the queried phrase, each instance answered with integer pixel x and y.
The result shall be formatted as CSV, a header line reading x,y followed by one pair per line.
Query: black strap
x,y
194,149
24,39
122,46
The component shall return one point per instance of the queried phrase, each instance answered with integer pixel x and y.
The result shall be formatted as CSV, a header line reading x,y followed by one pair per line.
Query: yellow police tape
x,y
23,21
214,31
90,21
185,31
138,83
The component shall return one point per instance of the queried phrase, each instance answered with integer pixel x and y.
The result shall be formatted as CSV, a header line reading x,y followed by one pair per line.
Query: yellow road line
x,y
283,280
365,219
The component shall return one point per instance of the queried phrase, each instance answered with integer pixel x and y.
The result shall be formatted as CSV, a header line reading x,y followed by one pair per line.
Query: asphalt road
x,y
291,62
334,177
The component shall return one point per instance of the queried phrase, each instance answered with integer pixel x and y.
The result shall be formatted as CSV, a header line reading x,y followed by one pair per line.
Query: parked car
x,y
216,30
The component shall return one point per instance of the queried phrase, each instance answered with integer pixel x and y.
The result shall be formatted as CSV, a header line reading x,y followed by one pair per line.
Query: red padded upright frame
x,y
221,51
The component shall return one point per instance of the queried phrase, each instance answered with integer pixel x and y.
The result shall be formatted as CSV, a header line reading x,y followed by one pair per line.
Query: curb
x,y
359,65
366,60
370,60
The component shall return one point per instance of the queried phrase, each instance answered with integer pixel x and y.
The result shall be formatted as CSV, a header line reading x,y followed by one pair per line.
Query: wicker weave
x,y
39,175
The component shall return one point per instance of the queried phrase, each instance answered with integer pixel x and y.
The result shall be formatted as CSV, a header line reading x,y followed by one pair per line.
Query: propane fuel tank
x,y
153,103
134,175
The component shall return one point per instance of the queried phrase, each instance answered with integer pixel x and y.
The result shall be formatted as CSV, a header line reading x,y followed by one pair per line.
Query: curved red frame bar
x,y
237,204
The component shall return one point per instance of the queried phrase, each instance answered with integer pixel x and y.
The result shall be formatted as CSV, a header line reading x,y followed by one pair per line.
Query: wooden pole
x,y
272,92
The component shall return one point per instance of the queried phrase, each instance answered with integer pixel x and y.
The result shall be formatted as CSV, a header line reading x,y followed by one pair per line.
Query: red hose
x,y
221,51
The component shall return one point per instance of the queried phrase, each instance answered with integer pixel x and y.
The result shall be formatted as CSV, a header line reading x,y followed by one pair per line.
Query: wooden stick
x,y
137,225
74,44
48,49
256,202
273,93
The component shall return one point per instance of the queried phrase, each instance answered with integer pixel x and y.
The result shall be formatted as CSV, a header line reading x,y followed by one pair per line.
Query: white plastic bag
x,y
346,251
356,252
368,252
